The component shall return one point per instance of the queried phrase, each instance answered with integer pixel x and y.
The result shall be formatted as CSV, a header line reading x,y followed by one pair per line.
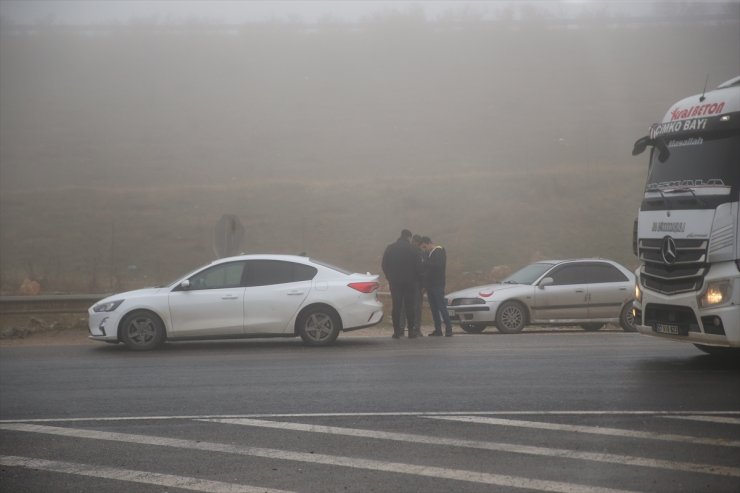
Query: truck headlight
x,y
717,293
108,306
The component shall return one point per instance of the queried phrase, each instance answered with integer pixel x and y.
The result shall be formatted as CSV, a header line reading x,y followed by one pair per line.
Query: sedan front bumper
x,y
471,313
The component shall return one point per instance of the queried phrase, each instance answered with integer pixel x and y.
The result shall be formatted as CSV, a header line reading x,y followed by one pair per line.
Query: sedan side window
x,y
269,272
218,277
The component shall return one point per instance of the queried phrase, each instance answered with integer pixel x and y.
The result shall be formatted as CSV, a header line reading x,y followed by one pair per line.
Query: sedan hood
x,y
131,294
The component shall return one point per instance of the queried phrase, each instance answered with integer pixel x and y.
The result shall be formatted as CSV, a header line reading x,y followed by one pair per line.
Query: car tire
x,y
627,319
319,326
511,317
592,327
142,331
473,328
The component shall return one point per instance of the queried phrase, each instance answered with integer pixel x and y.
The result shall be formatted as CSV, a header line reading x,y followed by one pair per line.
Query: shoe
x,y
449,334
435,334
396,336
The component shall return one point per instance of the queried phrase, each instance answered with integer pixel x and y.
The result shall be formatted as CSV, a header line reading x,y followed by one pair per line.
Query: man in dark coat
x,y
418,292
402,267
435,266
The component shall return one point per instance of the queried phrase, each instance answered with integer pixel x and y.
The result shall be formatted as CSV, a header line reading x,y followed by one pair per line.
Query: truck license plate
x,y
670,329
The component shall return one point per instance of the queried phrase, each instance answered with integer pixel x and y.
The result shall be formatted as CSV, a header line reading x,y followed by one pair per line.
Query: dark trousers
x,y
418,299
436,297
402,295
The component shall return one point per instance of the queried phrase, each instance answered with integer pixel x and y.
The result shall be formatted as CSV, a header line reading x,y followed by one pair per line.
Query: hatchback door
x,y
566,298
212,304
608,291
275,292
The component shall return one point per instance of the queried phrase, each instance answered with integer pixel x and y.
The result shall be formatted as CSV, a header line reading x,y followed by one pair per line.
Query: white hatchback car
x,y
242,297
585,292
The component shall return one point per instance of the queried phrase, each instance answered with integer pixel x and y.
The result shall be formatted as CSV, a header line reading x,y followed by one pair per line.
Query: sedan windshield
x,y
529,274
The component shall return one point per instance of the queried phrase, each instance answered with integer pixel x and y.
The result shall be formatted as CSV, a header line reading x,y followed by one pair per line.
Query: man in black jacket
x,y
418,290
435,275
402,267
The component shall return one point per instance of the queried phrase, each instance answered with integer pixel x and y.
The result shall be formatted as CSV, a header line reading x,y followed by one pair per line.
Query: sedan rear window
x,y
269,272
332,267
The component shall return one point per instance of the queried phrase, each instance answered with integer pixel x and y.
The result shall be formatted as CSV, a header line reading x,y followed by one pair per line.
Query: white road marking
x,y
411,413
595,430
496,446
709,419
166,480
367,464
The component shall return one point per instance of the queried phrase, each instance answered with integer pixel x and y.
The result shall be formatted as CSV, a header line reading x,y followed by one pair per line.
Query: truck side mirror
x,y
640,145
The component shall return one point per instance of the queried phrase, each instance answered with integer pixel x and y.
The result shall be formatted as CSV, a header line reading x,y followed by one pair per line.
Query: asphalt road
x,y
562,411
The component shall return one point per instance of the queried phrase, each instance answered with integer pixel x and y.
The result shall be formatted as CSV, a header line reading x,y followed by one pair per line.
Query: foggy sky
x,y
240,11
123,144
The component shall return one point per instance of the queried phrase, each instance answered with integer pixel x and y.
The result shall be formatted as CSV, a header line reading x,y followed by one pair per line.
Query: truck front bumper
x,y
679,318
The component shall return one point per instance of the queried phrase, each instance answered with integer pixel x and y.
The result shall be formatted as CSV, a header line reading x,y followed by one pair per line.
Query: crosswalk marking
x,y
144,477
497,446
709,419
595,430
377,414
367,464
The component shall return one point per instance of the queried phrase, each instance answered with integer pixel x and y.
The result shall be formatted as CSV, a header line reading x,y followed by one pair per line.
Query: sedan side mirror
x,y
545,282
185,285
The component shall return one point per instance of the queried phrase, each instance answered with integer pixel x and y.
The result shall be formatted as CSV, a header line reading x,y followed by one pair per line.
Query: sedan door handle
x,y
229,297
295,293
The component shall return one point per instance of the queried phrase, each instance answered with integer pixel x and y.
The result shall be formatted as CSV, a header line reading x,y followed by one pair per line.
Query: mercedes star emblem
x,y
668,251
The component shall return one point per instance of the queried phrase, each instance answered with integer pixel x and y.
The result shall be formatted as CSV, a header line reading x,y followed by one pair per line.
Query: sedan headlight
x,y
467,301
108,306
717,293
638,291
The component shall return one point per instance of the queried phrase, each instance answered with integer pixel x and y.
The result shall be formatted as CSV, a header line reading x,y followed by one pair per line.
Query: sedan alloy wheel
x,y
142,331
319,327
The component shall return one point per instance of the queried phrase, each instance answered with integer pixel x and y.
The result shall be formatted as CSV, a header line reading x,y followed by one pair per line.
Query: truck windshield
x,y
699,173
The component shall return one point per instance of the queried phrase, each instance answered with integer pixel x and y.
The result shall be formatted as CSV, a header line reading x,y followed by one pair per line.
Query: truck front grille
x,y
681,316
685,274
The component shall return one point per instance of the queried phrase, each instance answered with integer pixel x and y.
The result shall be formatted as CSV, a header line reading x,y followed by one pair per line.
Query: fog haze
x,y
503,132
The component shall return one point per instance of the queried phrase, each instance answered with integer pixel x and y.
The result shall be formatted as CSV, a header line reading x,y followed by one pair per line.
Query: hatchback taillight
x,y
364,287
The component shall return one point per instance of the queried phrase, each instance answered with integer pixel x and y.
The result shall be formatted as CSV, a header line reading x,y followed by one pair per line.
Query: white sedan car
x,y
241,297
585,292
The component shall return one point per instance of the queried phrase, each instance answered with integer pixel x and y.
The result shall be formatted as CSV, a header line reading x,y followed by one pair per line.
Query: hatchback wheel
x,y
473,328
319,326
511,317
142,331
627,319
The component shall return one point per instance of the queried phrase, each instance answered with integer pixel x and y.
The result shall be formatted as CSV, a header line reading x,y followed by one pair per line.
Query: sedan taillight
x,y
364,287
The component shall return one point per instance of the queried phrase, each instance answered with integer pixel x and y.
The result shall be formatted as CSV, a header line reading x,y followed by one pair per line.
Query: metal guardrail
x,y
61,303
